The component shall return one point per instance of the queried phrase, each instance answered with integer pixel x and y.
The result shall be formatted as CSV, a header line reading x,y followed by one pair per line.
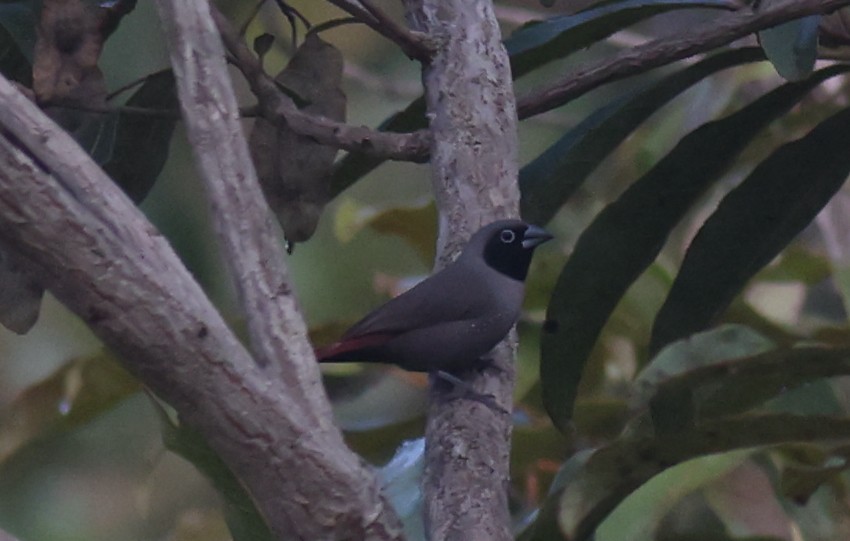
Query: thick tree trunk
x,y
474,170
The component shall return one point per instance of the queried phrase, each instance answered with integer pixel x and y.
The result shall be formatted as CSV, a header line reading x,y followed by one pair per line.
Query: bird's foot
x,y
462,389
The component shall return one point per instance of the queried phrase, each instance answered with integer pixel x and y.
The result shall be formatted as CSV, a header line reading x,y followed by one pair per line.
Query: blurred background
x,y
81,449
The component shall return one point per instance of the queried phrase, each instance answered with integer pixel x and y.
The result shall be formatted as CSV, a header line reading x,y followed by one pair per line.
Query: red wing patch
x,y
346,350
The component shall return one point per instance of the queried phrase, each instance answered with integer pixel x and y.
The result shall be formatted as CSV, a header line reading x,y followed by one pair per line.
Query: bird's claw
x,y
463,390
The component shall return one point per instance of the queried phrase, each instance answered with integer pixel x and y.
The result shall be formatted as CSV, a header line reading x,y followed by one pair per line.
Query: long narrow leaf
x,y
141,142
593,484
529,48
628,234
549,180
536,44
752,224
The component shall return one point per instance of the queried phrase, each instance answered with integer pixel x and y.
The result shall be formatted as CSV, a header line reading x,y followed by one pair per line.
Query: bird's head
x,y
507,246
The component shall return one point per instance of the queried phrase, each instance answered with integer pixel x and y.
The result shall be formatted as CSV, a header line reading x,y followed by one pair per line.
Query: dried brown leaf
x,y
295,170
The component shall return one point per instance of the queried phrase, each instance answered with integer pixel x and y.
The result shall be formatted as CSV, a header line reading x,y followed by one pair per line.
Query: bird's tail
x,y
352,349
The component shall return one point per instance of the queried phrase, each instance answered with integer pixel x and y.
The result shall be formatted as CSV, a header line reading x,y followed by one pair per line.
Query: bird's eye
x,y
507,236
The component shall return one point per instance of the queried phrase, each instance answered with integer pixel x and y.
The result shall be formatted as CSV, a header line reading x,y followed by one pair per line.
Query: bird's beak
x,y
534,236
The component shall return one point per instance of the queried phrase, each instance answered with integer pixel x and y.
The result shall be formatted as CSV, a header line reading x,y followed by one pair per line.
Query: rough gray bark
x,y
474,171
98,254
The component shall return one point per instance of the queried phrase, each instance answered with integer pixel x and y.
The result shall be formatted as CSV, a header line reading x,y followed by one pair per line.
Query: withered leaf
x,y
20,294
67,49
295,170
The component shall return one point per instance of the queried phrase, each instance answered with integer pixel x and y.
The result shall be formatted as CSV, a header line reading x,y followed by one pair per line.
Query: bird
x,y
447,323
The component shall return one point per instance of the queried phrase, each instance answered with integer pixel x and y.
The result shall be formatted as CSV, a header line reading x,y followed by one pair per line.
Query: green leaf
x,y
626,236
19,20
592,484
805,468
641,514
243,519
96,133
538,43
80,390
142,141
752,224
20,294
548,181
529,48
792,47
672,406
731,386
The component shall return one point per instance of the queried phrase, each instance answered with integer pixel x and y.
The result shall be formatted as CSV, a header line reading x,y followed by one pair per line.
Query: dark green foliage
x,y
753,223
141,141
628,234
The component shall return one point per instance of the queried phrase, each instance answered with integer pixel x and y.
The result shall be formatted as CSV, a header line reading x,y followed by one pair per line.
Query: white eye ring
x,y
507,236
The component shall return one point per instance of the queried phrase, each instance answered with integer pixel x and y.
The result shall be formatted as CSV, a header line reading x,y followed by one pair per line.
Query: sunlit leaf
x,y
798,264
592,484
627,235
752,224
639,516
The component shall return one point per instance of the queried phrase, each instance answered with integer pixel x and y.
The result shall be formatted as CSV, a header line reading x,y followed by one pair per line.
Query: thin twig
x,y
411,44
710,35
250,111
129,86
333,23
279,109
121,109
251,16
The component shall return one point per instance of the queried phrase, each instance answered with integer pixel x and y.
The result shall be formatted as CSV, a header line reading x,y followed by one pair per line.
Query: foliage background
x,y
71,469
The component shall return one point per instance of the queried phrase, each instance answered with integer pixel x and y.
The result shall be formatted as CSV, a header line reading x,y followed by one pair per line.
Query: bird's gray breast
x,y
484,306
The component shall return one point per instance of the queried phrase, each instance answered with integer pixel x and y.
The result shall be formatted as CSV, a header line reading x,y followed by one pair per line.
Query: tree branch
x,y
474,169
254,260
279,109
244,224
364,11
712,34
98,254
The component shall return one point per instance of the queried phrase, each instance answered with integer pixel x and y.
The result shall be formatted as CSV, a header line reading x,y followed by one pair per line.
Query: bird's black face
x,y
509,248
